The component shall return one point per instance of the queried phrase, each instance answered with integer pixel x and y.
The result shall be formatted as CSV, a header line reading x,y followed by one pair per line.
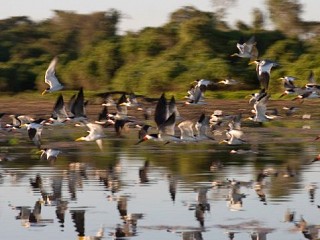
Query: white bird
x,y
49,153
247,49
51,79
19,120
228,81
186,131
202,127
260,109
95,134
263,69
234,136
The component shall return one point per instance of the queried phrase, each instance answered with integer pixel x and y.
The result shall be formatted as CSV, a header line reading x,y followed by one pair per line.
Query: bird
x,y
49,153
260,109
312,83
51,79
234,136
77,107
186,131
228,81
308,94
59,115
19,121
263,69
104,118
95,134
34,131
164,119
165,131
197,90
289,87
202,127
247,49
255,96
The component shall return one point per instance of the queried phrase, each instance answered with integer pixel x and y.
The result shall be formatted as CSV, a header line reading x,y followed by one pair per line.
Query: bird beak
x,y
222,142
78,139
250,63
142,140
44,92
39,152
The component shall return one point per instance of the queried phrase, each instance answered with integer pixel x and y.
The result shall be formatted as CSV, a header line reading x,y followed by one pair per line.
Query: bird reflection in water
x,y
77,172
201,206
259,186
78,218
110,178
259,235
311,190
172,187
32,217
234,198
122,203
143,172
130,220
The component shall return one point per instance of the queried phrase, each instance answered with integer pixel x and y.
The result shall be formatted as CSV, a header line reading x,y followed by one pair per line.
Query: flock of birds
x,y
165,114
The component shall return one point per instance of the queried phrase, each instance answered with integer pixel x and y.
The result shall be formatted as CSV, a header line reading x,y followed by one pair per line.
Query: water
x,y
86,191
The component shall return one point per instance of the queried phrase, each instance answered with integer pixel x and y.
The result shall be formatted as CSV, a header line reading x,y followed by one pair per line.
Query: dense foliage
x,y
193,44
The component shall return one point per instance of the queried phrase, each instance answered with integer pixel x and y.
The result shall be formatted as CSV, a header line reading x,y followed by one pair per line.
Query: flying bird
x,y
59,115
247,49
95,134
263,69
51,79
49,153
34,131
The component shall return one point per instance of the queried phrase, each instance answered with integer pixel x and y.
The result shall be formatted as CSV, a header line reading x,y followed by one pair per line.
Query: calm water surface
x,y
157,191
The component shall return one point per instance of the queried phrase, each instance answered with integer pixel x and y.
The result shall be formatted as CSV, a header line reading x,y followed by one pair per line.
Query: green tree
x,y
286,15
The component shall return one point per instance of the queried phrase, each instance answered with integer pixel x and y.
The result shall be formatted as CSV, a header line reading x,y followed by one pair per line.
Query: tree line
x,y
193,44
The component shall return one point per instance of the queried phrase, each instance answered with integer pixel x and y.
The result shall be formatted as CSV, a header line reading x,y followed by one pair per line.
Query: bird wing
x,y
50,77
287,84
186,129
261,107
77,108
32,133
95,131
311,79
236,133
99,143
59,110
197,94
240,47
161,111
264,78
254,53
168,126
